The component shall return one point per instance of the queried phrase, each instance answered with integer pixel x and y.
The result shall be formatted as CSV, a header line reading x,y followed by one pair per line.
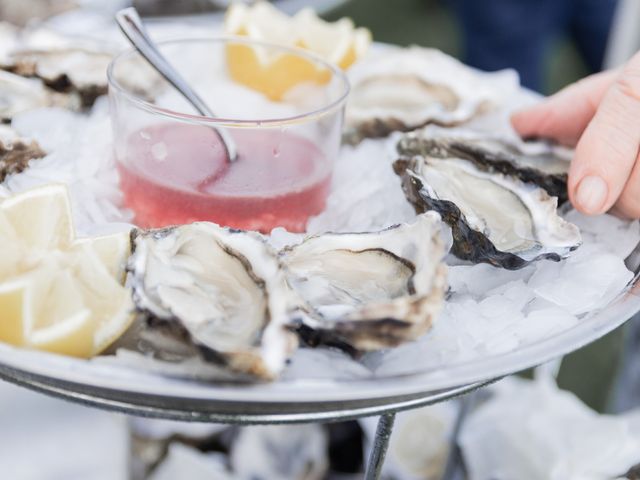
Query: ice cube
x,y
615,235
588,280
481,278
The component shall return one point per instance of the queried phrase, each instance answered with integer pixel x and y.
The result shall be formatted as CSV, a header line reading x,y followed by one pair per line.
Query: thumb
x,y
606,154
565,115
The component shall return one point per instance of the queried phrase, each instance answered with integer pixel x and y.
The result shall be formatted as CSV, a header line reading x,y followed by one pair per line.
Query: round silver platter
x,y
136,392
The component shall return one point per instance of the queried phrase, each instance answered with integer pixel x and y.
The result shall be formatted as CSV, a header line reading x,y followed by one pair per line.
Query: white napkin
x,y
531,430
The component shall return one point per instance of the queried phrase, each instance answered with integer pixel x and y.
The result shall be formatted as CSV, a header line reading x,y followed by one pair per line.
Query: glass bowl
x,y
282,107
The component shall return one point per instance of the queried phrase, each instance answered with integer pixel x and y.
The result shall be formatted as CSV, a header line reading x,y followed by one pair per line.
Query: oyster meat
x,y
215,292
16,152
495,217
401,89
368,291
537,162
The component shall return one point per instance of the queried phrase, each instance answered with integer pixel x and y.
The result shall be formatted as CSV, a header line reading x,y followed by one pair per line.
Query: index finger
x,y
608,149
565,115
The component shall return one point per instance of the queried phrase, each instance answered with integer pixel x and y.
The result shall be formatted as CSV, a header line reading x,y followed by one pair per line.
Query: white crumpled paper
x,y
532,430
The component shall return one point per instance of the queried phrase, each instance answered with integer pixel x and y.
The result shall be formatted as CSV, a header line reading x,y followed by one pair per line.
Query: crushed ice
x,y
80,157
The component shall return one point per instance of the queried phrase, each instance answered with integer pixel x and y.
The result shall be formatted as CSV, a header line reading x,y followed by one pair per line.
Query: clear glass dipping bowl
x,y
172,164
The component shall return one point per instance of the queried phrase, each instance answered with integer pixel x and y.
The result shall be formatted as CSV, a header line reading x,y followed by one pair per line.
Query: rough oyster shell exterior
x,y
538,162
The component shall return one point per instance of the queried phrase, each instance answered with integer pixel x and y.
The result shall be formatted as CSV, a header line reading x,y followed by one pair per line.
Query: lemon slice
x,y
339,42
261,21
60,294
274,74
41,217
11,248
113,250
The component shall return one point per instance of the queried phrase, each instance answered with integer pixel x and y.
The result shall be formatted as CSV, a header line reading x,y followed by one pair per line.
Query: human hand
x,y
600,115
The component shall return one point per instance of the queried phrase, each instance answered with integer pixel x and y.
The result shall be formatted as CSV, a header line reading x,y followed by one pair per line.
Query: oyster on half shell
x,y
225,296
71,70
534,162
75,66
216,292
369,291
401,89
18,94
495,217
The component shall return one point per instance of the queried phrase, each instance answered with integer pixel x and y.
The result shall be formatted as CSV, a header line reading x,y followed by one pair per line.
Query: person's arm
x,y
601,116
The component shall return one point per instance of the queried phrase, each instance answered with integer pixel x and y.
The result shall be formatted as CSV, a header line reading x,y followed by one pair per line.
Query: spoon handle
x,y
131,25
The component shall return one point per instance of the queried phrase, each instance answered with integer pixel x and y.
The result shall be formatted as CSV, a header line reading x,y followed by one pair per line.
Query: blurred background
x,y
551,43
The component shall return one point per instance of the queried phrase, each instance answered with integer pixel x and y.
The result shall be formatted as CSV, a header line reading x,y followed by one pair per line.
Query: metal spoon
x,y
132,27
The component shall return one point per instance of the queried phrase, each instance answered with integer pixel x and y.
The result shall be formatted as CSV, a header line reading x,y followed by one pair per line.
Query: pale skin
x,y
600,116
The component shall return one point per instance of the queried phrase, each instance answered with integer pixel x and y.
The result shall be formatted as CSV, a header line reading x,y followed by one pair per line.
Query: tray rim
x,y
86,381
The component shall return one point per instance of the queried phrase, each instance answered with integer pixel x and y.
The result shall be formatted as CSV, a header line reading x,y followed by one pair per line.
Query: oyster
x,y
16,152
216,292
495,217
403,89
537,162
67,70
369,291
18,94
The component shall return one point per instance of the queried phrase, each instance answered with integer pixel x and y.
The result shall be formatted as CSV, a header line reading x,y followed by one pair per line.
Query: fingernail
x,y
591,194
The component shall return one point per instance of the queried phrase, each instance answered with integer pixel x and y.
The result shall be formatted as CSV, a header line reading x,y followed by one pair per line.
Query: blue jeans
x,y
517,33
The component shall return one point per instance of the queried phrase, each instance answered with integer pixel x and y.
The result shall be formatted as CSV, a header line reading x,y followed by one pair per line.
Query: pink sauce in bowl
x,y
177,173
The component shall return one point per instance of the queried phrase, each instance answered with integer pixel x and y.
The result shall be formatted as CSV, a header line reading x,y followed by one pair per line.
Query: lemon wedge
x,y
58,293
275,73
340,42
41,217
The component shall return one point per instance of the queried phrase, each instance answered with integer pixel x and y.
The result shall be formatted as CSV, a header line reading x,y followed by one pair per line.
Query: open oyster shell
x,y
16,152
403,89
495,217
75,67
226,297
536,162
213,291
67,70
369,291
18,94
